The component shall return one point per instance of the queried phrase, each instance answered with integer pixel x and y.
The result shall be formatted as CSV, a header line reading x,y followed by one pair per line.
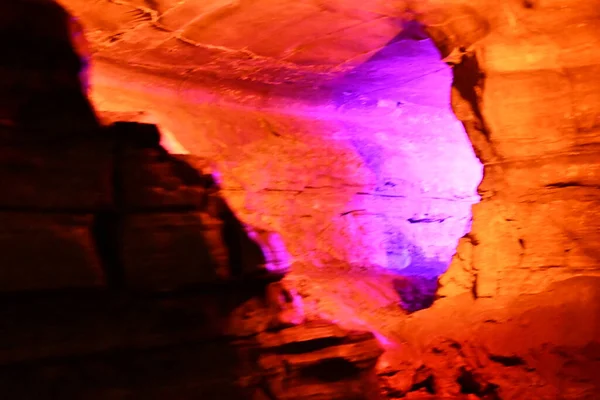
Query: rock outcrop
x,y
525,91
365,161
540,346
111,207
120,259
124,272
208,343
132,277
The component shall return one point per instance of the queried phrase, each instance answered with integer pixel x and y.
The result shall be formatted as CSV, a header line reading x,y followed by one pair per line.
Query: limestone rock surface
x,y
542,346
524,90
523,86
347,144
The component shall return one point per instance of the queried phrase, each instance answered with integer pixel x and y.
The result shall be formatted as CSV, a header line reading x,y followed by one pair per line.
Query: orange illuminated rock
x,y
524,89
318,359
115,190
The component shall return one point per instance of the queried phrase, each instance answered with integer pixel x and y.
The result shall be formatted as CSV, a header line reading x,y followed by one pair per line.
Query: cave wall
x,y
383,187
524,88
362,165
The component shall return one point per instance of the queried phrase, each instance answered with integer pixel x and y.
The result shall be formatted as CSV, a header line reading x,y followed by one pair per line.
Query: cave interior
x,y
315,199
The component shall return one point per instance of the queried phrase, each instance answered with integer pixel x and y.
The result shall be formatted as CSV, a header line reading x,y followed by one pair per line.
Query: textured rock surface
x,y
540,162
319,360
365,162
523,87
541,346
104,345
147,285
111,206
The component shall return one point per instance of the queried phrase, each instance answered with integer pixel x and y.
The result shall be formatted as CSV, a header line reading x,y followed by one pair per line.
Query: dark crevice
x,y
115,38
266,391
563,184
508,361
474,286
569,184
472,238
470,383
352,212
308,345
232,240
331,370
428,384
381,195
245,254
416,293
108,224
469,82
467,78
106,229
425,220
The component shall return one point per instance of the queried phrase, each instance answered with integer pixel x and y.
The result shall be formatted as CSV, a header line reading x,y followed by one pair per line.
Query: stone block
x,y
586,95
46,252
152,179
531,178
164,251
68,176
318,360
529,113
518,243
460,277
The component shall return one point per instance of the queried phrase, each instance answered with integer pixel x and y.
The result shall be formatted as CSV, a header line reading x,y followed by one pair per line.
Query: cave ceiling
x,y
266,41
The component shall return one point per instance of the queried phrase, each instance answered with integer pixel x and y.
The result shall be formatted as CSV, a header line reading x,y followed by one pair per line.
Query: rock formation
x,y
120,259
365,162
524,90
517,311
124,272
535,223
540,346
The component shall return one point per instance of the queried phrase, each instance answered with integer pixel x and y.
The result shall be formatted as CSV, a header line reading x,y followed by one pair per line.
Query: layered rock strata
x,y
228,341
525,89
111,207
126,274
364,161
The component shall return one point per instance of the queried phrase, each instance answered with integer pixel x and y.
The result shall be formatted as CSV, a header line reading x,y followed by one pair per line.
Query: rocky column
x,y
526,89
